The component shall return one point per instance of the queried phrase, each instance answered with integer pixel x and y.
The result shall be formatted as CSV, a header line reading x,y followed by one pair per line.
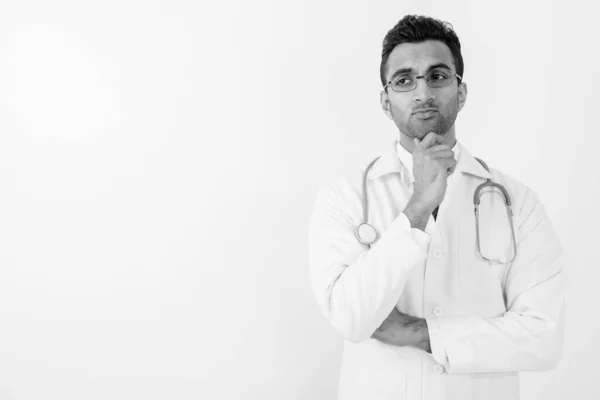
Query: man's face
x,y
445,102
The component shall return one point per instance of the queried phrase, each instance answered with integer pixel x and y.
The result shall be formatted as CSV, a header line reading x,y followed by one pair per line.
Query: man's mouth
x,y
425,113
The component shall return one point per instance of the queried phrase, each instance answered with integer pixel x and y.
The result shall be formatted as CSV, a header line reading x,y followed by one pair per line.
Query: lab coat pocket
x,y
495,242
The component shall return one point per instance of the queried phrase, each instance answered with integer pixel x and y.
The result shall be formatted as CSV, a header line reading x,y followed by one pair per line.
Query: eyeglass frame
x,y
423,77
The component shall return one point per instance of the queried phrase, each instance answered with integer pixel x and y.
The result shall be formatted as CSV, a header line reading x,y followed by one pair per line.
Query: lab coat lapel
x,y
459,210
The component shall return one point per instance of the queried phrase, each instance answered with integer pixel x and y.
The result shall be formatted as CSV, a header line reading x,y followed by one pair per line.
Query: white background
x,y
159,162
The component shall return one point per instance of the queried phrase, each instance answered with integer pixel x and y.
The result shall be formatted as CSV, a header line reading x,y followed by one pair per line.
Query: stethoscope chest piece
x,y
366,233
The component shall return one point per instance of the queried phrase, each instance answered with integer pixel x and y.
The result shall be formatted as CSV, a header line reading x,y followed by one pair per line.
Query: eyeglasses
x,y
436,78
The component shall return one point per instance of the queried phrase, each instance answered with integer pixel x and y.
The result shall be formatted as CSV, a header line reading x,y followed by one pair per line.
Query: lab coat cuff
x,y
399,231
459,352
436,342
398,250
422,238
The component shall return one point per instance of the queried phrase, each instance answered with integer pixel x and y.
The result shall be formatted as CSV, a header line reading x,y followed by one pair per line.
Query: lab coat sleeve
x,y
356,288
529,336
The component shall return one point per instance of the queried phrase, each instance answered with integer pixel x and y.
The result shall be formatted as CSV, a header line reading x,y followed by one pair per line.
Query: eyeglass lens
x,y
435,78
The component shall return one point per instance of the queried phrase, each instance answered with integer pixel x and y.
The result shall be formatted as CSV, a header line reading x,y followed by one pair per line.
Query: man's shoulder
x,y
347,187
350,179
507,179
521,195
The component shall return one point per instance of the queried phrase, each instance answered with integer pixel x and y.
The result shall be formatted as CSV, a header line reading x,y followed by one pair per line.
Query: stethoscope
x,y
367,234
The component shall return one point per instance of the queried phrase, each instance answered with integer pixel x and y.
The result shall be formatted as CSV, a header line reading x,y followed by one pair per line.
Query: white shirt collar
x,y
407,162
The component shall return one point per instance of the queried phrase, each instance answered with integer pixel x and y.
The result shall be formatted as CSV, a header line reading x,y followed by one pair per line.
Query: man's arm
x,y
529,336
356,287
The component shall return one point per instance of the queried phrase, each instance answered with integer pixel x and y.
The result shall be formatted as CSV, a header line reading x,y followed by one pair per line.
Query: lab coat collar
x,y
389,163
467,164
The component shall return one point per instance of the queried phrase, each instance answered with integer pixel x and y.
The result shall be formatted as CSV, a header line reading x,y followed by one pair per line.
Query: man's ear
x,y
462,95
386,105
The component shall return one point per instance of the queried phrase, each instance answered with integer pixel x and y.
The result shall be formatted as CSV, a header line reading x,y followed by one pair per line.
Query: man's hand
x,y
433,161
400,329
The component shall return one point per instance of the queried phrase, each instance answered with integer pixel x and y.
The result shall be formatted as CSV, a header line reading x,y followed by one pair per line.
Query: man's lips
x,y
425,113
424,110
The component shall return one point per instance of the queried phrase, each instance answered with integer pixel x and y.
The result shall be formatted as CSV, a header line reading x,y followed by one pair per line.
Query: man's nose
x,y
422,93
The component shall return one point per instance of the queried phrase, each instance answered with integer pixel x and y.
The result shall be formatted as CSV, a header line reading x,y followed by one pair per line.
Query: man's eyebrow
x,y
411,70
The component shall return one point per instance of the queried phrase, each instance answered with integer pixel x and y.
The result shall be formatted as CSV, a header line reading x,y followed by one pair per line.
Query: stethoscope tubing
x,y
476,201
365,211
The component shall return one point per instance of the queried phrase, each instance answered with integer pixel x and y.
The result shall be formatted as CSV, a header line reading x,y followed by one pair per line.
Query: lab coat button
x,y
437,253
437,311
438,369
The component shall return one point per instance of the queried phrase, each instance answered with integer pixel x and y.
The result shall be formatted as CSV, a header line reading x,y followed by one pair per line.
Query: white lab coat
x,y
486,322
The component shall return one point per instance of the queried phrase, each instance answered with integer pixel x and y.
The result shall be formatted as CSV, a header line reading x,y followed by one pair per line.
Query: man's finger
x,y
448,163
440,148
442,153
431,139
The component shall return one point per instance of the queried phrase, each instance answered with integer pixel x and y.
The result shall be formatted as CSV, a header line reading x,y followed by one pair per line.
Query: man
x,y
424,315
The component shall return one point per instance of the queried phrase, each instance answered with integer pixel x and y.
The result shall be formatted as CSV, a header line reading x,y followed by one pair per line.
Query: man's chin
x,y
421,134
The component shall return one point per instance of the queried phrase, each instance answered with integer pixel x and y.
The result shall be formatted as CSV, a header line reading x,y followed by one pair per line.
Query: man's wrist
x,y
421,336
417,215
424,331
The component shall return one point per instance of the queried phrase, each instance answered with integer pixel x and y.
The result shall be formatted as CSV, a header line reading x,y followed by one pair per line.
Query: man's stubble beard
x,y
441,127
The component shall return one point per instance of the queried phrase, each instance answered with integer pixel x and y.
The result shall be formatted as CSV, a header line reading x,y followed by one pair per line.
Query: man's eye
x,y
403,80
436,76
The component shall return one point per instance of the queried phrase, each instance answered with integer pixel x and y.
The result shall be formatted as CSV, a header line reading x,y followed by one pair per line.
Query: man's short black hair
x,y
417,29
